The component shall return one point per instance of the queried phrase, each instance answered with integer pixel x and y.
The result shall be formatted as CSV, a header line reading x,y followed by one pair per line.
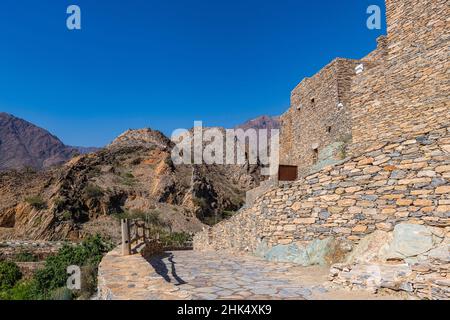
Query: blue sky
x,y
163,64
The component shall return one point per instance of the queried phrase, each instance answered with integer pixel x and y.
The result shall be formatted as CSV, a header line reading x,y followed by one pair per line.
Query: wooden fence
x,y
136,232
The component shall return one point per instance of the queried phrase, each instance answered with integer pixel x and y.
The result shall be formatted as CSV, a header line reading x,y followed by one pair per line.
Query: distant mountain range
x,y
22,144
262,122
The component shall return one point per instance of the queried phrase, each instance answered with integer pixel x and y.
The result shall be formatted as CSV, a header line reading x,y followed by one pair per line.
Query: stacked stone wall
x,y
316,119
406,180
408,90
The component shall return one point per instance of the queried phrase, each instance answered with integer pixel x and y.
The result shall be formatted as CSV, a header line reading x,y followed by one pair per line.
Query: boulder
x,y
441,252
284,253
371,248
410,240
321,252
261,249
318,252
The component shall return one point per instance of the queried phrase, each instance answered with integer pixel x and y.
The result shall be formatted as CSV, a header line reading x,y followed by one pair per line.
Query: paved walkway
x,y
186,275
211,275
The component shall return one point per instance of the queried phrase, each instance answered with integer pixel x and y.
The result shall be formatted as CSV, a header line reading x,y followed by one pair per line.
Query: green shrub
x,y
54,274
25,256
174,239
93,192
36,202
66,215
200,202
152,217
23,290
128,179
128,175
61,294
9,275
59,202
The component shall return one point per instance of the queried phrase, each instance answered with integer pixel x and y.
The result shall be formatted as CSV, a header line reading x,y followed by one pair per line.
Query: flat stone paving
x,y
213,275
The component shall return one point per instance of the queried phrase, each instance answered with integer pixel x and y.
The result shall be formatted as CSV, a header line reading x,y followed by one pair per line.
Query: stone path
x,y
211,276
187,275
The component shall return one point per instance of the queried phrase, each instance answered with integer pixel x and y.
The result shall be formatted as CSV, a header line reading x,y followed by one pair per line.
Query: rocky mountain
x,y
133,175
84,150
262,122
22,144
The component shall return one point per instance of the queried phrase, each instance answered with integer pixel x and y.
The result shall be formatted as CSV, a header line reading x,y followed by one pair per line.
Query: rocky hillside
x,y
133,175
23,144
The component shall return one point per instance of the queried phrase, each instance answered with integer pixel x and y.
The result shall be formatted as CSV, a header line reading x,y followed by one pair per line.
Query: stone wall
x,y
316,119
408,89
406,180
403,89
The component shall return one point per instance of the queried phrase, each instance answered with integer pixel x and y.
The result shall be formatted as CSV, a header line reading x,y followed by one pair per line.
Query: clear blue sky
x,y
163,64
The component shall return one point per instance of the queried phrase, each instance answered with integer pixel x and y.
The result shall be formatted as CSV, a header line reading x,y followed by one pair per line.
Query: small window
x,y
315,156
313,101
329,129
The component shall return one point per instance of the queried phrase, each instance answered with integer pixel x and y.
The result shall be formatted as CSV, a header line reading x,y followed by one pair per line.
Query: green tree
x,y
9,275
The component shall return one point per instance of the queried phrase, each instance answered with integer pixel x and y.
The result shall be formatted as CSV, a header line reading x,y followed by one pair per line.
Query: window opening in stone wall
x,y
329,129
315,156
313,102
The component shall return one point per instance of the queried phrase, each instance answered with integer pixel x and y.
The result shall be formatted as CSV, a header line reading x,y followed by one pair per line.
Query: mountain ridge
x,y
23,144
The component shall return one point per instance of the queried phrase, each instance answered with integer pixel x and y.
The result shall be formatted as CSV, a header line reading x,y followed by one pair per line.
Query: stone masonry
x,y
372,144
318,115
403,88
406,180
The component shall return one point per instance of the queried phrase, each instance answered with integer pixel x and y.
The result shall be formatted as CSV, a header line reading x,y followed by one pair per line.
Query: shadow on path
x,y
161,267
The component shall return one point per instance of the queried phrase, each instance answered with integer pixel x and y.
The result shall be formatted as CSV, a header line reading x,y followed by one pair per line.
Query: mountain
x,y
262,122
133,175
22,144
84,150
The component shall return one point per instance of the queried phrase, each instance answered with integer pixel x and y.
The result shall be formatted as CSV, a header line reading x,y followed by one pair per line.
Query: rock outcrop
x,y
413,258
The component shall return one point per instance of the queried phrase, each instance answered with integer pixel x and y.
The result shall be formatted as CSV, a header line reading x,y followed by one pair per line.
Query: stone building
x,y
318,117
352,105
372,141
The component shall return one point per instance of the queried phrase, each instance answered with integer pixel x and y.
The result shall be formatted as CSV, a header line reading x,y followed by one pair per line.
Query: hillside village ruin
x,y
362,194
371,140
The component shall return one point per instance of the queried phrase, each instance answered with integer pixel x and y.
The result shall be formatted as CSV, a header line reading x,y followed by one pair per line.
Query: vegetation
x,y
93,191
66,215
25,256
94,172
152,217
218,217
200,202
342,150
174,239
128,179
158,227
59,202
9,275
50,282
36,202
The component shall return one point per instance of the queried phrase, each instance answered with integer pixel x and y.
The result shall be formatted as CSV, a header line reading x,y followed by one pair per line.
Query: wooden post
x,y
143,233
126,241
